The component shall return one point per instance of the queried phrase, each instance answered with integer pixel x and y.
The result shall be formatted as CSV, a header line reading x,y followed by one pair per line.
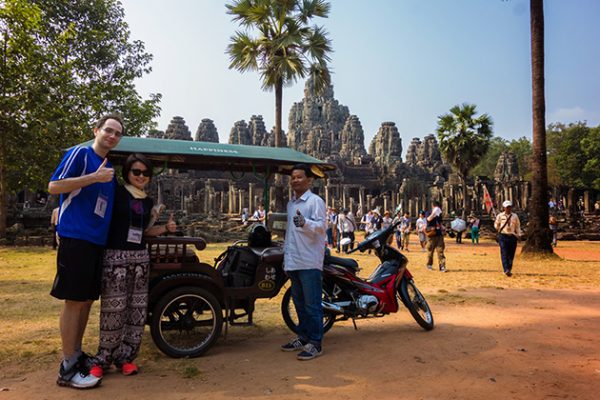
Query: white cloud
x,y
567,115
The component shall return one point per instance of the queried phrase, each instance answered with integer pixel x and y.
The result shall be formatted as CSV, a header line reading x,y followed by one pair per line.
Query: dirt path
x,y
498,344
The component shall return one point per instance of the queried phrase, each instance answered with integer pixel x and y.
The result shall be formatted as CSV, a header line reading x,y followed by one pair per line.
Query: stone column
x,y
369,202
386,202
206,204
361,200
327,203
251,197
230,197
241,201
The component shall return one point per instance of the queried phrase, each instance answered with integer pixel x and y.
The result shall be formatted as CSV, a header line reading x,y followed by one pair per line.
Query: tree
x,y
464,140
574,154
539,236
62,65
488,162
286,47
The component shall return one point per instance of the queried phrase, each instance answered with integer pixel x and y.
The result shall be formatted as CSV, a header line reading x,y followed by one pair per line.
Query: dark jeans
x,y
307,295
330,236
508,246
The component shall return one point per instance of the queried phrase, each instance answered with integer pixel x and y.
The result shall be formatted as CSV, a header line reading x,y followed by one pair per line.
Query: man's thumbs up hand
x,y
104,174
299,220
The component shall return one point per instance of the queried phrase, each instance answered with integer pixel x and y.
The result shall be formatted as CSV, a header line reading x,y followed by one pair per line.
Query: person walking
x,y
435,236
474,222
85,181
509,231
126,270
303,262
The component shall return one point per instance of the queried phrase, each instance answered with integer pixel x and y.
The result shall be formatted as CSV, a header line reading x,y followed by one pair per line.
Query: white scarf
x,y
135,192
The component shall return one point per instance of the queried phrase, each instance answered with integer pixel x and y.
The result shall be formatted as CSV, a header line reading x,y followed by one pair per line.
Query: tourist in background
x,y
331,226
435,236
474,223
458,225
553,223
259,215
405,226
398,233
420,227
353,227
386,222
509,229
126,270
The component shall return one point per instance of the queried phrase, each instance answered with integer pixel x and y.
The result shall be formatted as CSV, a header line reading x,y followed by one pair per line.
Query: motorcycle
x,y
348,296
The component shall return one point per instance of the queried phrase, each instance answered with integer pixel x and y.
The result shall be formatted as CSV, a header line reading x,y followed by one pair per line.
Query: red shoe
x,y
129,369
96,371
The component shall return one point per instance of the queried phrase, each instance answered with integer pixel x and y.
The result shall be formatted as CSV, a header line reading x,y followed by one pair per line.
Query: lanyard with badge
x,y
135,233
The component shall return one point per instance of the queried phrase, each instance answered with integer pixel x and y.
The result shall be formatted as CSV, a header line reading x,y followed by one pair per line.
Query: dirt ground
x,y
503,341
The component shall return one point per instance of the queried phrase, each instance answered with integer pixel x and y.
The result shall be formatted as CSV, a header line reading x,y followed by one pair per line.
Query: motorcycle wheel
x,y
416,303
289,313
186,322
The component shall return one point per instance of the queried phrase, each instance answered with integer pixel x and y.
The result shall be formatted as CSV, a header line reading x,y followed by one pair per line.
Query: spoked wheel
x,y
186,322
288,311
416,303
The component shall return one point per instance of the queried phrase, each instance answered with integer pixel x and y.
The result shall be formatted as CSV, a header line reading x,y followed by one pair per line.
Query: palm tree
x,y
464,140
539,237
285,49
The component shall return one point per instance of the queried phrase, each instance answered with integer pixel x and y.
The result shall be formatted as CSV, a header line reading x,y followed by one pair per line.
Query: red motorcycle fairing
x,y
381,284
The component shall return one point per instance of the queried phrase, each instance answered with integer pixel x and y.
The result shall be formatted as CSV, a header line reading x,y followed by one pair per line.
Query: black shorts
x,y
78,270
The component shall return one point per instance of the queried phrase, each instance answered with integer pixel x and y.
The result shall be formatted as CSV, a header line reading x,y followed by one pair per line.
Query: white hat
x,y
507,203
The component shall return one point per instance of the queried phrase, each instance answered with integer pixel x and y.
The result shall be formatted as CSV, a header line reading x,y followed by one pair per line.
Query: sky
x,y
406,61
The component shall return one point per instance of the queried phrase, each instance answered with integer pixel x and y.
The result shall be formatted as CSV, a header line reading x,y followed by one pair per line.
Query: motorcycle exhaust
x,y
331,307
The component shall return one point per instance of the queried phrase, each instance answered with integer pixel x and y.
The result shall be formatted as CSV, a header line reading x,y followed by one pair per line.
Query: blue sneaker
x,y
294,345
310,351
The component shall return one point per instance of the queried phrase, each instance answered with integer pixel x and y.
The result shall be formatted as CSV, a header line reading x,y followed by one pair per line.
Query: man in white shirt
x,y
304,251
509,229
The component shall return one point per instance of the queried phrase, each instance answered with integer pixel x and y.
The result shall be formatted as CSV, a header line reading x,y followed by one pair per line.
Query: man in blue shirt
x,y
304,250
86,184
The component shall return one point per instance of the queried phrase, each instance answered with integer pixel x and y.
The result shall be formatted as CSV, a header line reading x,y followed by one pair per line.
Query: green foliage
x,y
463,138
62,65
574,154
488,162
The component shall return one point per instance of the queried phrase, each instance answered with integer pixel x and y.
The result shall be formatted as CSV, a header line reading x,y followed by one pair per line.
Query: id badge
x,y
101,205
134,235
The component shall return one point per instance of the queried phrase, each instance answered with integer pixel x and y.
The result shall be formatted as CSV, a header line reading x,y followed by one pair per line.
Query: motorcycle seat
x,y
270,255
344,262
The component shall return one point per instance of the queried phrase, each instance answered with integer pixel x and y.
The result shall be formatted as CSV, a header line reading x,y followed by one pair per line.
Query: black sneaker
x,y
310,351
76,377
294,345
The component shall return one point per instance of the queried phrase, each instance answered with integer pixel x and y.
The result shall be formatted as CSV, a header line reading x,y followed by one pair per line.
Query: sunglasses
x,y
138,172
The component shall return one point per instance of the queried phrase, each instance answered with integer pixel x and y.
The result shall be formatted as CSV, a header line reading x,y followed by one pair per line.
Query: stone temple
x,y
366,177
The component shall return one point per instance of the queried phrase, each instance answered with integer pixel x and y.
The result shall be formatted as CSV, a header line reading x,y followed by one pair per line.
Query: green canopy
x,y
186,154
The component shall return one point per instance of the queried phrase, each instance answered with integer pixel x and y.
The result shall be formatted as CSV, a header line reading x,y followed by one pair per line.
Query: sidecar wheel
x,y
186,322
289,313
416,304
